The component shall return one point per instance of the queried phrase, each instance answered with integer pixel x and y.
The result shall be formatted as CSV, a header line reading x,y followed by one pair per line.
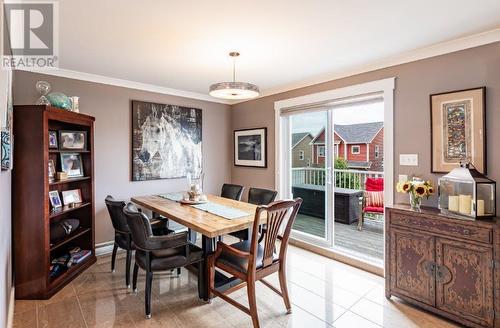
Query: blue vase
x,y
59,100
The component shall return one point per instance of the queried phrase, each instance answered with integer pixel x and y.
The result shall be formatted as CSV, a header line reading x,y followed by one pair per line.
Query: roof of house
x,y
356,133
297,137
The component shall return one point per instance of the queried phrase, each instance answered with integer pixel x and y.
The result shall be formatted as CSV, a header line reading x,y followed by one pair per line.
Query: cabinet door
x,y
412,265
464,280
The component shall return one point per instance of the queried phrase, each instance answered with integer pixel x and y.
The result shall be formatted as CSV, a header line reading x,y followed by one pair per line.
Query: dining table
x,y
209,225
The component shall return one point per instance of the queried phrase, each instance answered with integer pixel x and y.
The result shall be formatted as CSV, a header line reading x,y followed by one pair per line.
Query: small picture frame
x,y
72,196
250,147
52,170
72,140
72,165
55,200
53,144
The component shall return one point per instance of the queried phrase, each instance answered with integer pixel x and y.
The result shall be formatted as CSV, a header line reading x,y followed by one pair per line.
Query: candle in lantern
x,y
480,207
453,203
464,205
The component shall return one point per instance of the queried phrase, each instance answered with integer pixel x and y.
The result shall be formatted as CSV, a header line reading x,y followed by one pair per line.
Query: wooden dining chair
x,y
250,261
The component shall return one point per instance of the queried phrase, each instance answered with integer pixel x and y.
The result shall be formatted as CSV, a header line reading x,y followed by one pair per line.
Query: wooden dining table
x,y
209,225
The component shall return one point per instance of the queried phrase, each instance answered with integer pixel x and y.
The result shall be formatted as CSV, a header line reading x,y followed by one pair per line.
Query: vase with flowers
x,y
417,189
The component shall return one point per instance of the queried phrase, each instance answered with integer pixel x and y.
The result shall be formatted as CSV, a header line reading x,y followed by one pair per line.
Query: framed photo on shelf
x,y
55,200
72,165
250,147
72,140
53,140
458,129
52,170
72,196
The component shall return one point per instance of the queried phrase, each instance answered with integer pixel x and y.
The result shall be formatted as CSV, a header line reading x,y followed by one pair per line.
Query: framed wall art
x,y
166,141
250,147
458,129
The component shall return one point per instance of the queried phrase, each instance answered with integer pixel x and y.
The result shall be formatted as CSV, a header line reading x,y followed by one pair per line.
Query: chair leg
x,y
360,222
127,268
252,301
147,301
134,278
284,289
113,257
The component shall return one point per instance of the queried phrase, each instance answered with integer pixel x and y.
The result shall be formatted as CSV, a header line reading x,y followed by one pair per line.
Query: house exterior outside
x,y
301,149
362,145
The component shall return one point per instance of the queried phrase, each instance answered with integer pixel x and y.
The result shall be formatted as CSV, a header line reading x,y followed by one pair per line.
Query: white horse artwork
x,y
166,141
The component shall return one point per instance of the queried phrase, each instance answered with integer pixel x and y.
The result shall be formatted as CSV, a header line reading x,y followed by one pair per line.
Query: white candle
x,y
464,204
480,207
453,203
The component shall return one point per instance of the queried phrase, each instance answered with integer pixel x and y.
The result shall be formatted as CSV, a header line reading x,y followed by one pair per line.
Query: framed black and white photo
x,y
72,164
250,147
72,196
54,198
73,140
52,139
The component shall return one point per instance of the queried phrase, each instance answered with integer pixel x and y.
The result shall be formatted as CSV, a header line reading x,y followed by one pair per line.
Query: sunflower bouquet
x,y
417,189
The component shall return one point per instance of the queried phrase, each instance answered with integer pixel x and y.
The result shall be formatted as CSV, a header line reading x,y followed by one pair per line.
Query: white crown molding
x,y
442,48
88,77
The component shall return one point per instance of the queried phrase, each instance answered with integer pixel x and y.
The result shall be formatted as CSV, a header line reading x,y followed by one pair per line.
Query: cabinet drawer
x,y
483,235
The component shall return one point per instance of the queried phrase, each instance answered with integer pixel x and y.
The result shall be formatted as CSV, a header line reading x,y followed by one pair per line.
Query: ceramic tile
x,y
65,313
26,319
351,320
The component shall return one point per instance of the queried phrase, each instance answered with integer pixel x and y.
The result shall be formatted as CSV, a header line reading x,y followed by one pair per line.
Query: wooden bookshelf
x,y
32,213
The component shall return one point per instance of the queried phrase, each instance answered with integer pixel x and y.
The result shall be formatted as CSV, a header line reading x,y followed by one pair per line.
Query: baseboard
x,y
105,248
338,256
12,301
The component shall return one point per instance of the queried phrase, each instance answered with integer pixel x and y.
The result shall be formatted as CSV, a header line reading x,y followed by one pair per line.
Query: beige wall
x,y
414,83
111,107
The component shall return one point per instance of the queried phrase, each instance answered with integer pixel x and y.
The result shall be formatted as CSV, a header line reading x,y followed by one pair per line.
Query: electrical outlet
x,y
408,159
403,178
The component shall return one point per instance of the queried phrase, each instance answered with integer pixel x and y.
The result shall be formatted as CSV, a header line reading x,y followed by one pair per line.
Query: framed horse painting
x,y
166,141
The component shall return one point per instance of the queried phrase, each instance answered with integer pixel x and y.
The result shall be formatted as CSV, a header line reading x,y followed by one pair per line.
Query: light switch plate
x,y
408,159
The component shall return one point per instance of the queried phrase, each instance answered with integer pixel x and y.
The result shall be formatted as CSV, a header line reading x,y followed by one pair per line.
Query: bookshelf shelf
x,y
79,232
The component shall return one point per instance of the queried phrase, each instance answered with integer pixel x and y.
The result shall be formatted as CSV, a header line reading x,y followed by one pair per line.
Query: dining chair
x,y
157,253
250,261
232,191
256,196
123,238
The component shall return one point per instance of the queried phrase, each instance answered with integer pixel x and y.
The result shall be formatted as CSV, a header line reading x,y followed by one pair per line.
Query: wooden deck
x,y
369,242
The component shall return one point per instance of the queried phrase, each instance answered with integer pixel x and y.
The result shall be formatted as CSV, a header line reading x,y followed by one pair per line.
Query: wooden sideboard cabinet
x,y
445,265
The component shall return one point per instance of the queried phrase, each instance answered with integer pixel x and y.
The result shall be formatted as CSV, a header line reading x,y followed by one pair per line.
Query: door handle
x,y
430,268
443,274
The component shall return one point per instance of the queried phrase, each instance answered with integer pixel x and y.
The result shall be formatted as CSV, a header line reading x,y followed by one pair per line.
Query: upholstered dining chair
x,y
232,191
157,253
251,261
123,238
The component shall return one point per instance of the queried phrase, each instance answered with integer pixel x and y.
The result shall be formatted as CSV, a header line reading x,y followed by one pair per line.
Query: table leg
x,y
207,247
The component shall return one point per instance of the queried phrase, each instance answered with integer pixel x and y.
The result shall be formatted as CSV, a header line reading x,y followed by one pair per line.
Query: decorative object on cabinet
x,y
63,228
43,88
72,140
53,140
417,189
458,129
35,247
72,196
444,265
466,193
61,176
250,147
55,200
71,164
52,170
75,106
59,100
166,141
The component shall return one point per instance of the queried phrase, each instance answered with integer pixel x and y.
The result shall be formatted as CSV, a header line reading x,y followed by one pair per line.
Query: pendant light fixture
x,y
234,90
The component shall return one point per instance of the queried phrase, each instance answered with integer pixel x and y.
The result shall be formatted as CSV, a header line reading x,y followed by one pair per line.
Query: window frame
x,y
302,155
319,152
376,151
352,150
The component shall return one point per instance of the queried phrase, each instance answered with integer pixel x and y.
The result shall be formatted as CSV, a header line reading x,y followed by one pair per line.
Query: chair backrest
x,y
260,196
232,191
115,209
374,184
277,213
139,224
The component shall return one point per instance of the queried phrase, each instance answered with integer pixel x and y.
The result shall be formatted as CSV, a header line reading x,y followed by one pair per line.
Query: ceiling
x,y
184,44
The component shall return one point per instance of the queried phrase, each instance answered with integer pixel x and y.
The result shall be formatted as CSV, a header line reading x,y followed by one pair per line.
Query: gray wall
x,y
415,81
111,107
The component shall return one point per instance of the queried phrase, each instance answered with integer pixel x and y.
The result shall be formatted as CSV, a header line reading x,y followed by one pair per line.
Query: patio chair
x,y
372,200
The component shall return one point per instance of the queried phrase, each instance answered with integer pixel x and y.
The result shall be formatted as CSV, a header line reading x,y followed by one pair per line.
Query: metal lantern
x,y
466,193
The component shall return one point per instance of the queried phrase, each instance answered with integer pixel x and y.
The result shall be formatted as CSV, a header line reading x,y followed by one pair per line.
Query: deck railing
x,y
351,179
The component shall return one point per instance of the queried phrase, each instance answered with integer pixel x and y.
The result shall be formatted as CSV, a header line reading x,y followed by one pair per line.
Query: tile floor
x,y
324,293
